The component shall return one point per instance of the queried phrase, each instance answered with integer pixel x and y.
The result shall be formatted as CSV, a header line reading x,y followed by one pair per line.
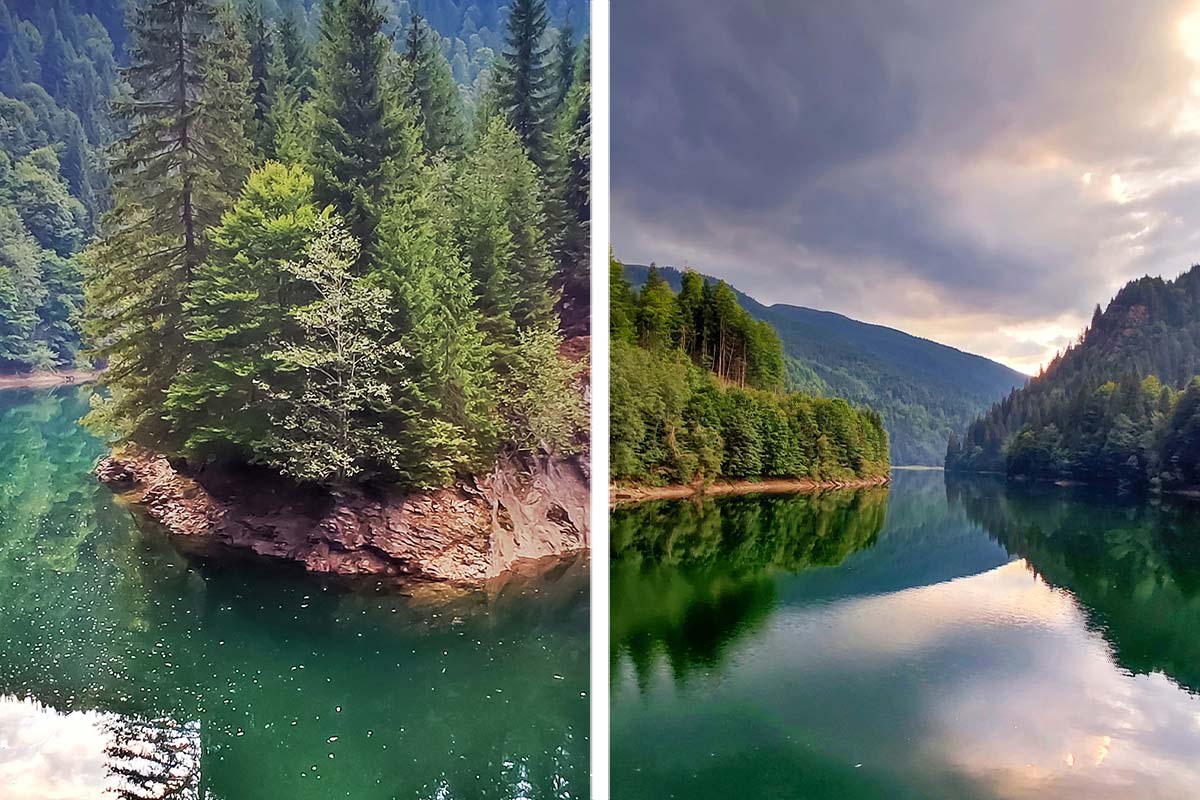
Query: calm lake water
x,y
123,662
941,639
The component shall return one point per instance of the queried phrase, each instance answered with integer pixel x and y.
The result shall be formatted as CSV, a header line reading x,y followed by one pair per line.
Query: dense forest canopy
x,y
61,86
1121,406
290,237
697,393
924,391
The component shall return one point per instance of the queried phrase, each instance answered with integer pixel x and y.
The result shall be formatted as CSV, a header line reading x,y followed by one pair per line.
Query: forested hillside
x,y
697,392
58,75
924,391
303,253
1122,406
61,87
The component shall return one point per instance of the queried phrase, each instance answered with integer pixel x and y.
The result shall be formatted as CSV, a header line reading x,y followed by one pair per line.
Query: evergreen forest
x,y
302,237
697,393
1120,407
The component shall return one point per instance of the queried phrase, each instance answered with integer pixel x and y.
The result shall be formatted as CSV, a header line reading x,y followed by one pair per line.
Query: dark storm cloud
x,y
981,173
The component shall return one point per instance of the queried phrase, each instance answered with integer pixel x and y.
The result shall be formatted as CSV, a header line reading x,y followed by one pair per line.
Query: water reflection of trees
x,y
1133,565
688,578
153,759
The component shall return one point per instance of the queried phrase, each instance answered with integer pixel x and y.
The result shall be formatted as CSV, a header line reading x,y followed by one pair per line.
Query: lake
x,y
128,666
945,638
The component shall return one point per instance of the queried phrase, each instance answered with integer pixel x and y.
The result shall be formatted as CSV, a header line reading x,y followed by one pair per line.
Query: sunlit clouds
x,y
978,174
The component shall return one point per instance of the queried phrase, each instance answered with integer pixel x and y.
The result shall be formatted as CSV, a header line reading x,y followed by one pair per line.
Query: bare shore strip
x,y
47,379
623,495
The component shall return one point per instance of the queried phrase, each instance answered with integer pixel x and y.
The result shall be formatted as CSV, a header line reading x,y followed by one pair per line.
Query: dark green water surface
x,y
945,639
130,670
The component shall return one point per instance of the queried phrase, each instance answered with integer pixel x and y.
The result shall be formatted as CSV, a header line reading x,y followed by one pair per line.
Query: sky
x,y
977,173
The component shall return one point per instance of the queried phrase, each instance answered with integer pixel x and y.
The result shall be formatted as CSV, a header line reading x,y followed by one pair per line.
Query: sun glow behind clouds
x,y
1189,34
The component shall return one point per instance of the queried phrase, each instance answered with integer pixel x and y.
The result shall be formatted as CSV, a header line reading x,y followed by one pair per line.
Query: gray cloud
x,y
980,173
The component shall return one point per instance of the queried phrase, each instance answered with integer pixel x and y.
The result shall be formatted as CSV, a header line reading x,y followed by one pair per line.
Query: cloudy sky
x,y
979,173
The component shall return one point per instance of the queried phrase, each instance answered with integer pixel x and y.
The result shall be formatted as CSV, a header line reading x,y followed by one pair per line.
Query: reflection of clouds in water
x,y
1031,705
49,756
90,755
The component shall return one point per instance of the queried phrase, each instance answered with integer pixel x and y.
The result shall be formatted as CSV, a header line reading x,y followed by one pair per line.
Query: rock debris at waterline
x,y
476,530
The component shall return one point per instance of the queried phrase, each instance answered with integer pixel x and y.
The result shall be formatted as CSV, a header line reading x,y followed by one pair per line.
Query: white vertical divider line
x,y
599,686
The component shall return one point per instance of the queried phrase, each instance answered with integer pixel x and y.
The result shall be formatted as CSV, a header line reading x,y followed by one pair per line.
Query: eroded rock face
x,y
469,533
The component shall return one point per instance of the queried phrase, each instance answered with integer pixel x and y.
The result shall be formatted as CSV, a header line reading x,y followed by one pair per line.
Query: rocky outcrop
x,y
469,533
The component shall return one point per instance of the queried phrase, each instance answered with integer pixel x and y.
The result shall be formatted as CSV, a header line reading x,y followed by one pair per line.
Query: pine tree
x,y
362,148
431,90
227,101
500,226
569,174
171,179
260,55
443,420
564,63
523,78
285,114
294,48
238,309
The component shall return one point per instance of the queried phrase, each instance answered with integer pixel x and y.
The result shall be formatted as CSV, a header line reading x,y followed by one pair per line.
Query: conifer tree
x,y
523,78
564,65
569,173
285,114
238,306
443,420
361,148
431,90
227,103
294,48
500,225
171,178
261,49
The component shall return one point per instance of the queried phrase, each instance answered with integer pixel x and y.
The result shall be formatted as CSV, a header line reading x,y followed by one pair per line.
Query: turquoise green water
x,y
122,661
938,640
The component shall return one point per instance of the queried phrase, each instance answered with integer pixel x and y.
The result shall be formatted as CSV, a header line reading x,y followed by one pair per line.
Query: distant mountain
x,y
1120,407
924,390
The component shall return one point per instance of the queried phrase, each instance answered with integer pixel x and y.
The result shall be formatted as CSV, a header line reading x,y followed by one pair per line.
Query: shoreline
x,y
47,379
628,495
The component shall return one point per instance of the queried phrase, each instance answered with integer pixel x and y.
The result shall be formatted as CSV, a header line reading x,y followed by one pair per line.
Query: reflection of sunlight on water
x,y
86,755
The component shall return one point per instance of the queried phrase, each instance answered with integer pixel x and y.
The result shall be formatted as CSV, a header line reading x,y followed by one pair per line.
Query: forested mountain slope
x,y
1121,406
923,390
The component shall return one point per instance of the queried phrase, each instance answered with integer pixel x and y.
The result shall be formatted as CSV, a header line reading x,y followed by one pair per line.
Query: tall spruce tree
x,y
443,419
285,114
564,64
431,90
500,225
524,82
569,175
294,47
258,36
361,147
171,179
